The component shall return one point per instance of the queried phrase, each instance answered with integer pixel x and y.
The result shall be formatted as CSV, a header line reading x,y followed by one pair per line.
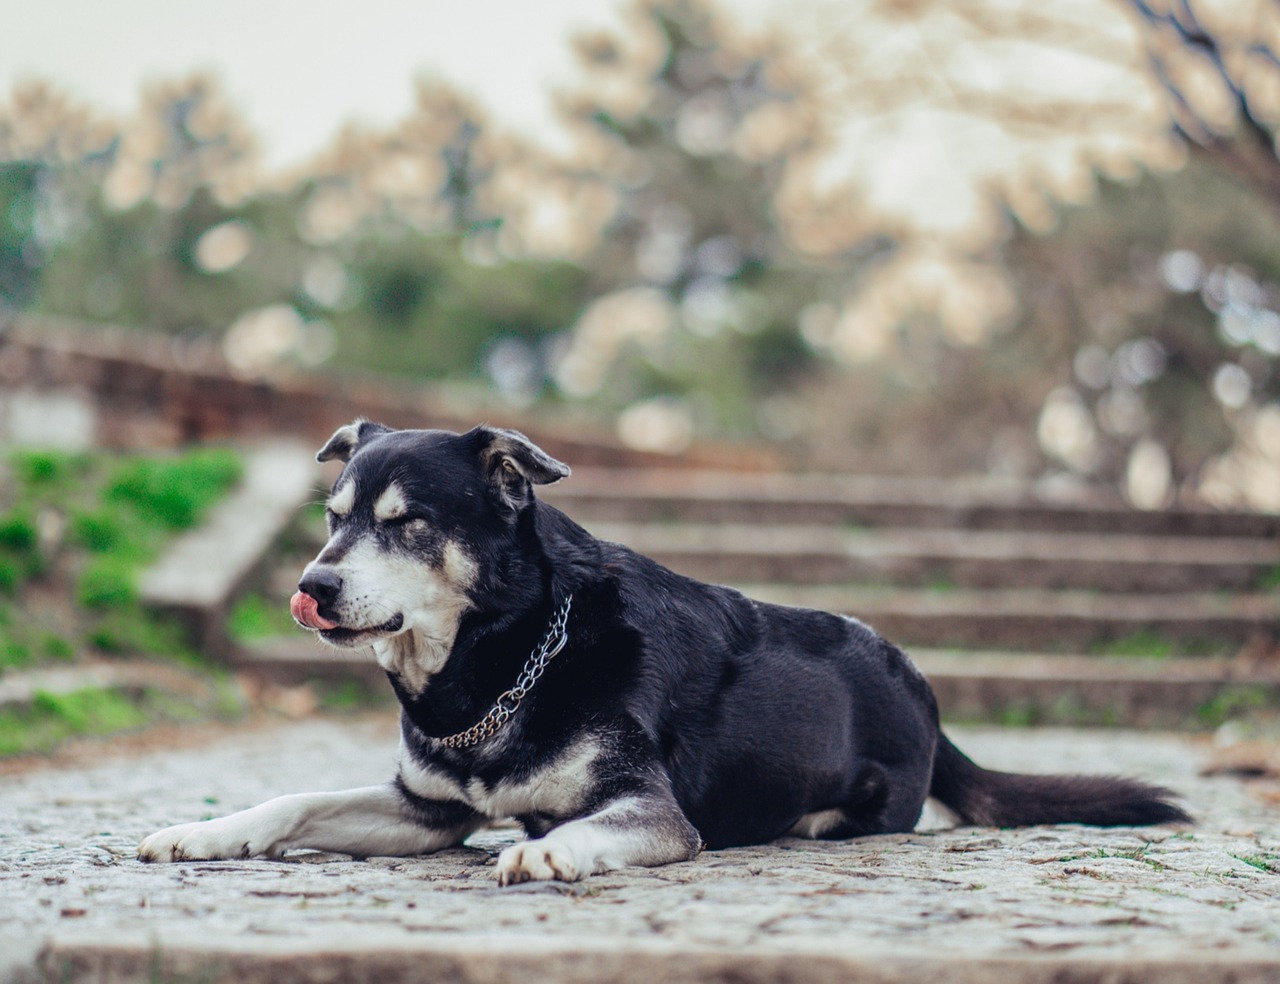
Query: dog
x,y
623,714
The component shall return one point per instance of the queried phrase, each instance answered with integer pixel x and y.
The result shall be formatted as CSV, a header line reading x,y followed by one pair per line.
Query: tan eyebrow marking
x,y
391,504
340,502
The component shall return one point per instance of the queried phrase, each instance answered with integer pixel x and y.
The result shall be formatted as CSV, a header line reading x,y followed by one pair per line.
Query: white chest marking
x,y
558,790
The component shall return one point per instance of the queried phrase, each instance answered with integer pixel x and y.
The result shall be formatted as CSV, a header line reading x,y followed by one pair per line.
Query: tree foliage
x,y
895,239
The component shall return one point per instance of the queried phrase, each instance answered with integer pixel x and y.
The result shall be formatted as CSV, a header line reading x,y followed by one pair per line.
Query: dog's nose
x,y
323,585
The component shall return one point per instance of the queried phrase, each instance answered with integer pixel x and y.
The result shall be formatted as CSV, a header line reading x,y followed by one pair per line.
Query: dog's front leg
x,y
639,830
374,820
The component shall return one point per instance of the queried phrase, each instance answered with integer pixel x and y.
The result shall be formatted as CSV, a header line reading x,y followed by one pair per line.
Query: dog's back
x,y
761,711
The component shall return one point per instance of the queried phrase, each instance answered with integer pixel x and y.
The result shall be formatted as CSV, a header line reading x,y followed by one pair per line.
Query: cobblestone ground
x,y
1152,904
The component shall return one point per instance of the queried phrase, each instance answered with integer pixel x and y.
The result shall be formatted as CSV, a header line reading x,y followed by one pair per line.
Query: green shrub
x,y
56,647
1144,643
131,629
175,491
13,655
253,617
17,534
43,467
10,574
106,583
107,639
91,710
98,531
53,718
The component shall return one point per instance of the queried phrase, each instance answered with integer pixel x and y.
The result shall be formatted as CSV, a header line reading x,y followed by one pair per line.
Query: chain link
x,y
508,701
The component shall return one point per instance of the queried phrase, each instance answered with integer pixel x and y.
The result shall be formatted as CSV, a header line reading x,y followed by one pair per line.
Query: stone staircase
x,y
1018,609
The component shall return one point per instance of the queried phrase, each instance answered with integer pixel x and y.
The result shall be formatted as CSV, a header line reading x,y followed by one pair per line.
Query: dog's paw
x,y
208,840
537,860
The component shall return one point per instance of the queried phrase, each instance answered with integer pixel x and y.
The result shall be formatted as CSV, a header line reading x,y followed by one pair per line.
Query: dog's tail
x,y
1006,799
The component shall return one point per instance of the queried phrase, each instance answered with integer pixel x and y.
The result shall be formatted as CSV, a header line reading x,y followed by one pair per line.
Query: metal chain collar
x,y
509,701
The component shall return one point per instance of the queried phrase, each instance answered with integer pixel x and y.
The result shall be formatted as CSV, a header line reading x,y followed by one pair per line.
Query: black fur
x,y
748,716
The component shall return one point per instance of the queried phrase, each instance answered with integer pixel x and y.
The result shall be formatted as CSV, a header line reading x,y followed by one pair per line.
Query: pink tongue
x,y
304,609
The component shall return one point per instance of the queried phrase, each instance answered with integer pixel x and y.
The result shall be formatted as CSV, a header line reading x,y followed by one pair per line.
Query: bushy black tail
x,y
1006,799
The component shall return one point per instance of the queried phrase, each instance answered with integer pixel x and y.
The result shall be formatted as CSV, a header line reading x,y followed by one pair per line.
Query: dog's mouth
x,y
306,612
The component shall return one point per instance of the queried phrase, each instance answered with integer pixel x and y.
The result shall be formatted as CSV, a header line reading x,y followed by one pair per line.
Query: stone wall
x,y
74,384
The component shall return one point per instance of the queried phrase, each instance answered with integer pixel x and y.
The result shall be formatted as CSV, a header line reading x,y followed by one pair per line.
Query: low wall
x,y
119,387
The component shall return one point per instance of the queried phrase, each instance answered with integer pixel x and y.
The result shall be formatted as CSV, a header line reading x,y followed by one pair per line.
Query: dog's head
x,y
418,520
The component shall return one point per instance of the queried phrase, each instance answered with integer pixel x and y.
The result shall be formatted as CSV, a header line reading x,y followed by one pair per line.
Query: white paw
x,y
208,840
536,860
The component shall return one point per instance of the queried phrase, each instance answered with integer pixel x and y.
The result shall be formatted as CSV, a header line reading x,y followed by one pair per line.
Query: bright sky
x,y
298,69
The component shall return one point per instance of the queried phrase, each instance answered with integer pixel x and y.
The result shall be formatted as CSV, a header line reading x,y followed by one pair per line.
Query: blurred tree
x,y
698,292
423,308
1219,68
432,170
126,210
51,152
410,219
1159,305
831,234
1152,322
20,255
387,246
1143,322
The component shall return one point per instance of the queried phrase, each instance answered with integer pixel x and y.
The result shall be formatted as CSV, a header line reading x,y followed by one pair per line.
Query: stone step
x,y
201,572
19,688
954,558
1134,692
1054,621
593,957
293,659
1006,687
667,495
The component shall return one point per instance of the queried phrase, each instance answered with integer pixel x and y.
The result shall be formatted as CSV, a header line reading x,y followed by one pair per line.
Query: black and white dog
x,y
623,714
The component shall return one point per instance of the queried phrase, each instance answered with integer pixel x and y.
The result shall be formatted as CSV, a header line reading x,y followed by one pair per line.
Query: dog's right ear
x,y
346,441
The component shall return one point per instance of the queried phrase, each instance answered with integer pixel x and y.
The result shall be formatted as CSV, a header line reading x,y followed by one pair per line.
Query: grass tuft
x,y
175,491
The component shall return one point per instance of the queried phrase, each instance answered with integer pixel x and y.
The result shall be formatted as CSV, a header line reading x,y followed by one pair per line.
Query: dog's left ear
x,y
346,441
512,463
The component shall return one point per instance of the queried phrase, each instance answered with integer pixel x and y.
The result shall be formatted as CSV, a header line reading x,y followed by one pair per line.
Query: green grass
x,y
107,582
1234,702
98,531
56,647
1260,861
174,492
350,695
53,718
17,534
20,558
23,643
254,617
1150,645
14,655
76,531
46,469
1135,854
10,575
119,513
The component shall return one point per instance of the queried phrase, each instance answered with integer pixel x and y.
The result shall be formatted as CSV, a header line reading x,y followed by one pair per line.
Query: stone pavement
x,y
1044,904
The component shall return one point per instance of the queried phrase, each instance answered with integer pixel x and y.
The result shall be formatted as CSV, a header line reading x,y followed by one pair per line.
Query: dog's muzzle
x,y
306,612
